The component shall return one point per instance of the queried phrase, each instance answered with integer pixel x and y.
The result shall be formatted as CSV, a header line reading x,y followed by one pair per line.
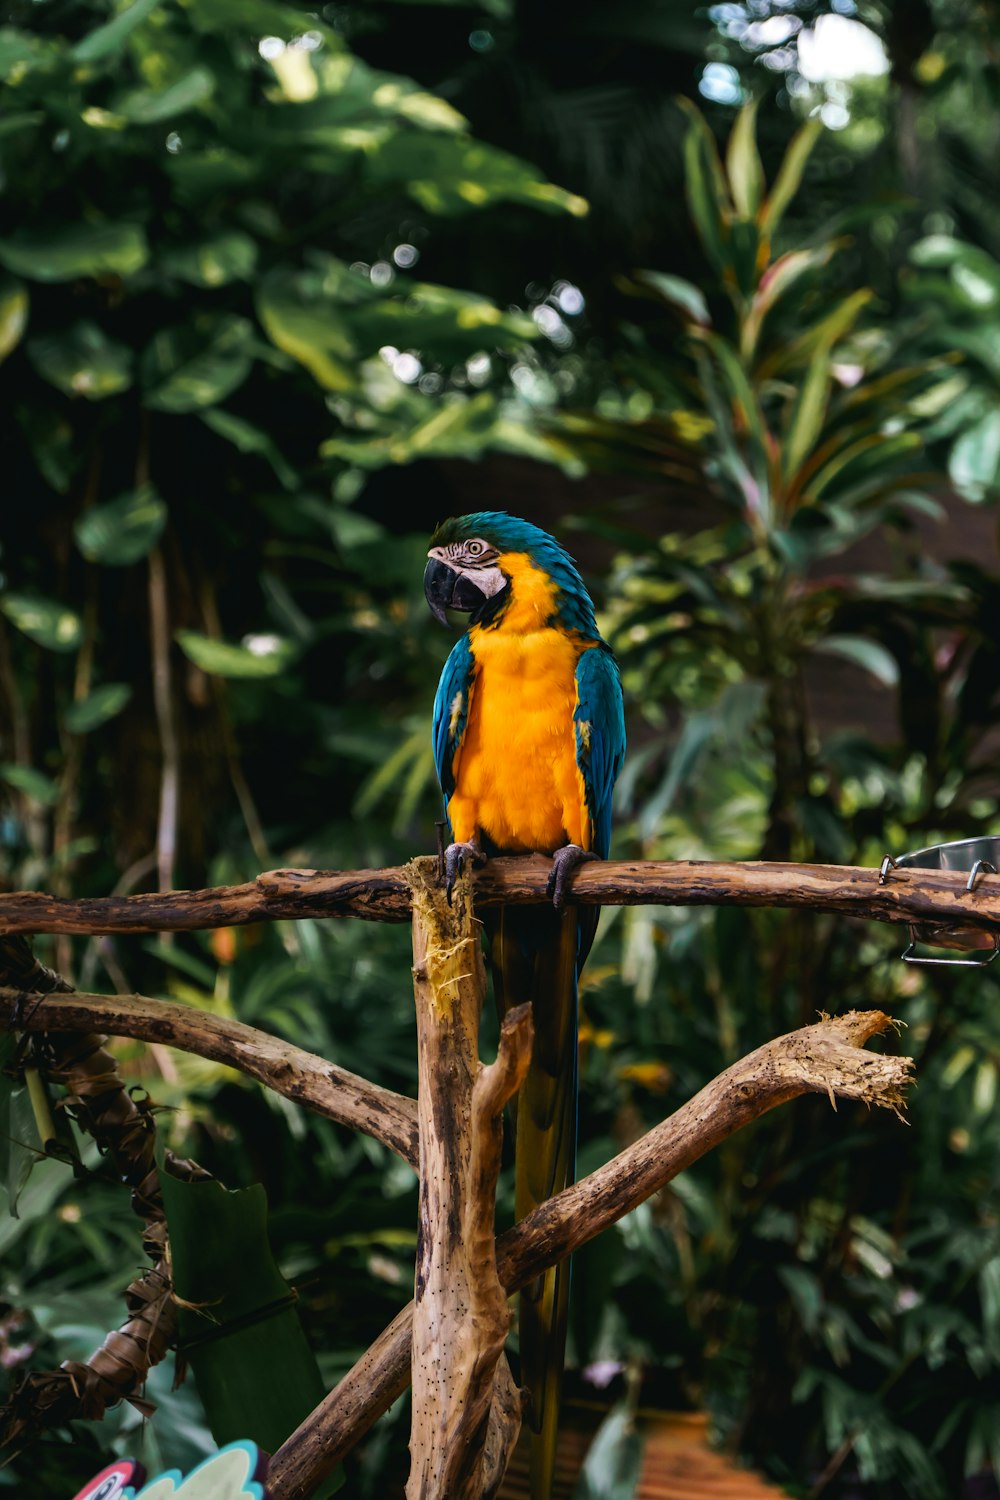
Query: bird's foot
x,y
564,862
456,857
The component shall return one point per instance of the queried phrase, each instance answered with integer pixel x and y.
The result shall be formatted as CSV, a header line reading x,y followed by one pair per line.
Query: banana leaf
x,y
238,1325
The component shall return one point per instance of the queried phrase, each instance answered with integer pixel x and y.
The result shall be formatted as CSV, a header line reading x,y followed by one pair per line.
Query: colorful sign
x,y
114,1482
236,1472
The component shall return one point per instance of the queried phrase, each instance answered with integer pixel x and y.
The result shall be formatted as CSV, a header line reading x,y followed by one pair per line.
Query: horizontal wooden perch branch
x,y
299,1075
384,895
826,1058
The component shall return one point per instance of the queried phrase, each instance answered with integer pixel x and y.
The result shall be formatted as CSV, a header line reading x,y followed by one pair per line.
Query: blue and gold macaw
x,y
529,736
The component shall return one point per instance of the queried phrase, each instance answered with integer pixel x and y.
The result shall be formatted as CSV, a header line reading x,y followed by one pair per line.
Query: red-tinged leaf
x,y
777,279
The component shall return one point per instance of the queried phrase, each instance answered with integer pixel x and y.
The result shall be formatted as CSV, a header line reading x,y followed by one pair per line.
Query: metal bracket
x,y
910,955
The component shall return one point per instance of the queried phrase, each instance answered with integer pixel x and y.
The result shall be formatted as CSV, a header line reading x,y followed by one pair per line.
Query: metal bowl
x,y
977,856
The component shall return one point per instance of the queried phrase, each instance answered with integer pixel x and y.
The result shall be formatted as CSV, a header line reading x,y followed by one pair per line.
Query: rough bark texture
x,y
925,896
466,1414
299,1075
825,1058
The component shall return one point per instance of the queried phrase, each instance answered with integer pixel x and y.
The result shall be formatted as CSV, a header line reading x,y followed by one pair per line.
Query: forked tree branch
x,y
466,1408
826,1058
908,895
302,1076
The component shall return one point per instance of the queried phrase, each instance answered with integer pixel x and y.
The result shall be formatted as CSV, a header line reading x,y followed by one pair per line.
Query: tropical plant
x,y
846,1288
199,230
213,274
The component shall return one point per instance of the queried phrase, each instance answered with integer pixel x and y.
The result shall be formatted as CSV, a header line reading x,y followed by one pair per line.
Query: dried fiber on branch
x,y
123,1127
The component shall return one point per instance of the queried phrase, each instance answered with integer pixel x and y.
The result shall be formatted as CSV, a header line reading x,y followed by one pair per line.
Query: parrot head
x,y
473,561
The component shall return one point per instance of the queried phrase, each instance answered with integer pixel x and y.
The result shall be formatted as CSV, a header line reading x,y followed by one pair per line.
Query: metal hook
x,y
974,873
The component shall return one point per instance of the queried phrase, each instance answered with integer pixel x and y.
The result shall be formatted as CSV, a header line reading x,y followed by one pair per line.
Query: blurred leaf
x,y
863,469
806,1293
97,708
197,364
21,53
440,319
267,657
50,439
257,17
215,261
249,439
973,270
613,1466
501,9
778,278
49,624
304,324
20,1148
449,173
198,176
150,106
875,659
743,164
807,415
82,361
707,195
984,1089
674,289
789,178
13,314
974,462
696,736
123,530
32,783
978,341
820,337
75,249
743,397
109,37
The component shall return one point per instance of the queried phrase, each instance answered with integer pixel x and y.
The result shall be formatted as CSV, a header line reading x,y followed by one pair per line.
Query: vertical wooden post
x,y
466,1409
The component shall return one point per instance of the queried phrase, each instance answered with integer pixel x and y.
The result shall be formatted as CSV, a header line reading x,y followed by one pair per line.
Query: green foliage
x,y
960,284
179,220
237,1319
209,347
199,213
122,531
817,1281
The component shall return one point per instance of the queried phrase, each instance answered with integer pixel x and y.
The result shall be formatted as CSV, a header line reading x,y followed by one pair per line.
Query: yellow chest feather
x,y
517,779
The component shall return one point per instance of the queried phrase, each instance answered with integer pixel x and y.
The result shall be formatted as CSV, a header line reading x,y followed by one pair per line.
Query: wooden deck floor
x,y
678,1464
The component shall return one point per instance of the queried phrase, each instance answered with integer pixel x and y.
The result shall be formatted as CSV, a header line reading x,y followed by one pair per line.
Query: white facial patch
x,y
475,560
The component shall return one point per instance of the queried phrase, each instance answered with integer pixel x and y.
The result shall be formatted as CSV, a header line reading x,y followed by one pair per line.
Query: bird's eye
x,y
474,549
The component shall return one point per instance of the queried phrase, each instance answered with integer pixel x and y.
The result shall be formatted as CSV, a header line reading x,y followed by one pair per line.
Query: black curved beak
x,y
446,589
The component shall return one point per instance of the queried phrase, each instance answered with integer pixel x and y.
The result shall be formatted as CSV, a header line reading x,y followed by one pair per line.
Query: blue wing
x,y
600,736
451,711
